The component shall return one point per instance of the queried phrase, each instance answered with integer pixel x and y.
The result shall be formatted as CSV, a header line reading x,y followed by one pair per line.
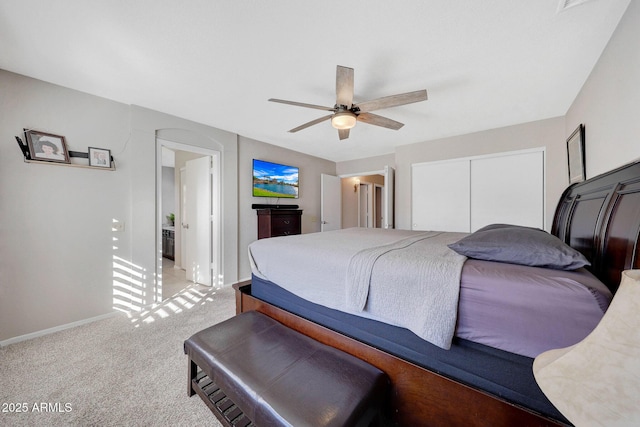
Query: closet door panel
x,y
508,189
440,196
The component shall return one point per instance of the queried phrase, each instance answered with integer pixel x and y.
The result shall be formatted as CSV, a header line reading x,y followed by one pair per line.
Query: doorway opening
x,y
188,224
344,204
368,198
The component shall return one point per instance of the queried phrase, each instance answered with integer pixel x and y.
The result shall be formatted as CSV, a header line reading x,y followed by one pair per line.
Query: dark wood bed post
x,y
600,217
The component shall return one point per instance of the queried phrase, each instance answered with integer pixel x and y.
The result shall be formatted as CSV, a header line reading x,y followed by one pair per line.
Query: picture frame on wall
x,y
99,157
575,153
46,147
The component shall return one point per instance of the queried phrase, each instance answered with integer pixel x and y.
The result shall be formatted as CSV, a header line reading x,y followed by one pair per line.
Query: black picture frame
x,y
99,157
575,155
46,147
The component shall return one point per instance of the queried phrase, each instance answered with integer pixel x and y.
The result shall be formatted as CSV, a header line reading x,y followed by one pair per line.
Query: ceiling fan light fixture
x,y
343,120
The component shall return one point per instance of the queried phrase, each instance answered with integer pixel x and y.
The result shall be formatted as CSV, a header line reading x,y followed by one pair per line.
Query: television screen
x,y
274,180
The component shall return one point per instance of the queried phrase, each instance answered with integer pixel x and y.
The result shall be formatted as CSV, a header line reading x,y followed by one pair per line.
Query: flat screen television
x,y
274,180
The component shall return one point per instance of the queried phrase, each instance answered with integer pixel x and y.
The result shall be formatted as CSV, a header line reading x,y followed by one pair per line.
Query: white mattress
x,y
524,310
408,279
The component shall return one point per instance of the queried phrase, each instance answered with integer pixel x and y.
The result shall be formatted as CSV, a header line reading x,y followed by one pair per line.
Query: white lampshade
x,y
597,381
343,120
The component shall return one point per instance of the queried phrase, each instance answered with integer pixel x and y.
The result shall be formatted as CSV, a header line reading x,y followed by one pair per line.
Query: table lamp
x,y
596,382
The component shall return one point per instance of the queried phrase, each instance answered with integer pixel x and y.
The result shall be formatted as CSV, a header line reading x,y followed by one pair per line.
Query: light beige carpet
x,y
121,371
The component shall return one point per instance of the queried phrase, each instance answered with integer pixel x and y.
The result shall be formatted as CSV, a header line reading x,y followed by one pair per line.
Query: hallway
x,y
174,280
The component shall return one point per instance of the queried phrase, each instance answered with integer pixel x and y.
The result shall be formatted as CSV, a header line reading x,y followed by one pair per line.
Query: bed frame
x,y
600,217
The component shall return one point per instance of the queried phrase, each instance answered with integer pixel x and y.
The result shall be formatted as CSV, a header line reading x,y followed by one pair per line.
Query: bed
x,y
435,374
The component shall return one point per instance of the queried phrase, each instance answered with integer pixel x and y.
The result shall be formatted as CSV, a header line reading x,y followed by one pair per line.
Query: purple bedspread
x,y
538,309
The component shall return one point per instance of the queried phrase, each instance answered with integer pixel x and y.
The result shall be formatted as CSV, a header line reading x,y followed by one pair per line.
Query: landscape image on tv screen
x,y
274,180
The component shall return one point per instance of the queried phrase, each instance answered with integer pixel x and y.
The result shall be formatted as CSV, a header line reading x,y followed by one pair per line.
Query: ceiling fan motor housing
x,y
343,119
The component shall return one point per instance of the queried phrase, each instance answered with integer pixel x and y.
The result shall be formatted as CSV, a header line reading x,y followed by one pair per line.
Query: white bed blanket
x,y
405,278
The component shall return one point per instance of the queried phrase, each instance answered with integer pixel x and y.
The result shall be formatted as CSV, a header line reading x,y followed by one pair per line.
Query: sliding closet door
x,y
440,196
466,194
508,189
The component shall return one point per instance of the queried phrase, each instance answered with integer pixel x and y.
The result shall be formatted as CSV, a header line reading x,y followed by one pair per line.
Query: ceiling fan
x,y
345,114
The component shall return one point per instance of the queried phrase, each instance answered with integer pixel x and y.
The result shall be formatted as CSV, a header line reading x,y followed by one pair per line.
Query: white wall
x,y
545,133
609,101
56,250
350,212
148,125
366,165
607,104
60,260
309,190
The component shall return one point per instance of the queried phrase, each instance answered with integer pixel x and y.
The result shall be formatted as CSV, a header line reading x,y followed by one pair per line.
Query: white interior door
x,y
330,203
197,224
440,196
508,189
183,217
365,205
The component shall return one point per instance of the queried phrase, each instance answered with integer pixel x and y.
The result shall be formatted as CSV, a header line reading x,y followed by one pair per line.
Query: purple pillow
x,y
515,244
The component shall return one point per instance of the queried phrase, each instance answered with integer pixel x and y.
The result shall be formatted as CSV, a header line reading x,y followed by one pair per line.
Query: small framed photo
x,y
46,146
99,157
575,152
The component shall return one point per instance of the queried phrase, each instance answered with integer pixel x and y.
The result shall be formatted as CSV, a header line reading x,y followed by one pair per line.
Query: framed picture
x,y
575,151
99,157
46,146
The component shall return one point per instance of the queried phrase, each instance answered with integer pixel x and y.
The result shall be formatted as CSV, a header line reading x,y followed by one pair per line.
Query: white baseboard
x,y
56,329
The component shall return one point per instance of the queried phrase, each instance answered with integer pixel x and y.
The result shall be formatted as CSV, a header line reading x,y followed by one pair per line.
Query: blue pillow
x,y
516,244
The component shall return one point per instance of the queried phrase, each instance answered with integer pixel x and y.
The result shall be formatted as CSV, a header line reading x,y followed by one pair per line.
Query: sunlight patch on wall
x,y
128,279
132,289
128,285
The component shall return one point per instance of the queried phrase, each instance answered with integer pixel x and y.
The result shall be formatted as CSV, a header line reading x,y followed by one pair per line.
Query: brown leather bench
x,y
251,369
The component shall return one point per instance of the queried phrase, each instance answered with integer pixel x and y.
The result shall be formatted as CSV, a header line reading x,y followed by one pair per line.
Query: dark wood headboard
x,y
600,217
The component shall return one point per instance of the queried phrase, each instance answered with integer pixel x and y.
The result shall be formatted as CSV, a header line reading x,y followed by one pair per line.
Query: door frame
x,y
388,192
216,224
378,205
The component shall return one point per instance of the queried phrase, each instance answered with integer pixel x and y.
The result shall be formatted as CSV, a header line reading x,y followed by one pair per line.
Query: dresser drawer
x,y
284,225
279,222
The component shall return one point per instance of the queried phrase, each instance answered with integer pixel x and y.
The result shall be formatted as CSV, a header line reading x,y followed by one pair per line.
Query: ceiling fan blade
x,y
301,104
344,86
343,133
393,101
311,123
374,119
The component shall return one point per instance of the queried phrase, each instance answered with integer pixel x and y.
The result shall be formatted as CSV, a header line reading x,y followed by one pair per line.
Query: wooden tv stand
x,y
279,222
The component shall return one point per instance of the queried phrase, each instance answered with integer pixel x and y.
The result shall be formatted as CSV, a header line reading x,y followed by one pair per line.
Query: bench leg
x,y
192,372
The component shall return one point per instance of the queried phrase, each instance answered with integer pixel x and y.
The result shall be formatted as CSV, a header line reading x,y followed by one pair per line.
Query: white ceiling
x,y
485,64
